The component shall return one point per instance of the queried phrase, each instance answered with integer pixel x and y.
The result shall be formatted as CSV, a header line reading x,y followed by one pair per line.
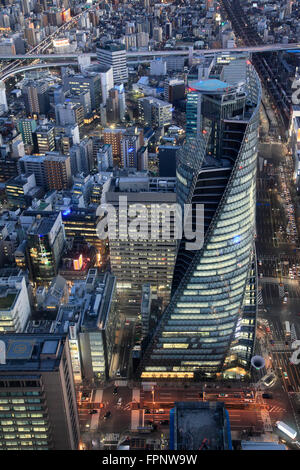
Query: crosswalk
x,y
275,409
260,300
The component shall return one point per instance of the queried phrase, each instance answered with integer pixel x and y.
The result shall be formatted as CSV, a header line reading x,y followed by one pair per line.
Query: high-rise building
x,y
87,81
35,96
45,138
14,303
208,329
98,326
3,99
38,401
57,170
142,39
157,33
132,140
7,46
21,190
45,241
114,138
81,224
174,90
167,160
34,164
69,113
155,112
105,157
150,260
107,78
114,55
27,127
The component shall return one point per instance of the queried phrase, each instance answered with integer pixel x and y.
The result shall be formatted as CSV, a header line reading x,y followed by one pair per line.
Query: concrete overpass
x,y
11,73
133,57
147,55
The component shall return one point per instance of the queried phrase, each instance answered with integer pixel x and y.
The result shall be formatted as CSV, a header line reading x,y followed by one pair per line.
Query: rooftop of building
x,y
197,424
32,352
100,290
7,298
43,223
212,85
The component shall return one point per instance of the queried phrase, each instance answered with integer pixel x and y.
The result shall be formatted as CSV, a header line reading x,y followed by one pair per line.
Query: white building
x,y
158,67
3,100
114,55
14,304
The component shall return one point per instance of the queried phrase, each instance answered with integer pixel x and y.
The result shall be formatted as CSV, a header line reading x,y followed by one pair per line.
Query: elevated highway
x,y
165,53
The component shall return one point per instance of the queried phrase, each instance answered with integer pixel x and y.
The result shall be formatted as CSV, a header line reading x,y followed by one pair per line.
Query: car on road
x,y
115,391
119,402
147,412
107,415
164,422
285,375
93,412
223,395
269,379
267,395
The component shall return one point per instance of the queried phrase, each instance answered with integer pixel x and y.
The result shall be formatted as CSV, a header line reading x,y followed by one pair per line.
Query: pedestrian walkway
x,y
265,415
121,383
98,396
136,395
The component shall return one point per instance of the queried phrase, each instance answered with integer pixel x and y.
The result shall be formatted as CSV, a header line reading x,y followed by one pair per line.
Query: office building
x,y
34,164
3,99
157,33
69,113
7,46
8,169
105,157
174,90
98,325
113,137
45,241
82,159
38,401
132,140
27,128
167,160
114,55
199,426
208,329
158,67
35,97
154,112
45,138
84,82
57,170
106,76
81,224
136,262
14,303
21,190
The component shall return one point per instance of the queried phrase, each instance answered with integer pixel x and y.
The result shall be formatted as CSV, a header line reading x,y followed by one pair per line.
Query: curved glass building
x,y
208,329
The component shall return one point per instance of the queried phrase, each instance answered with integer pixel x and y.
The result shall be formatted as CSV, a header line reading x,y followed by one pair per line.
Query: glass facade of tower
x,y
208,328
